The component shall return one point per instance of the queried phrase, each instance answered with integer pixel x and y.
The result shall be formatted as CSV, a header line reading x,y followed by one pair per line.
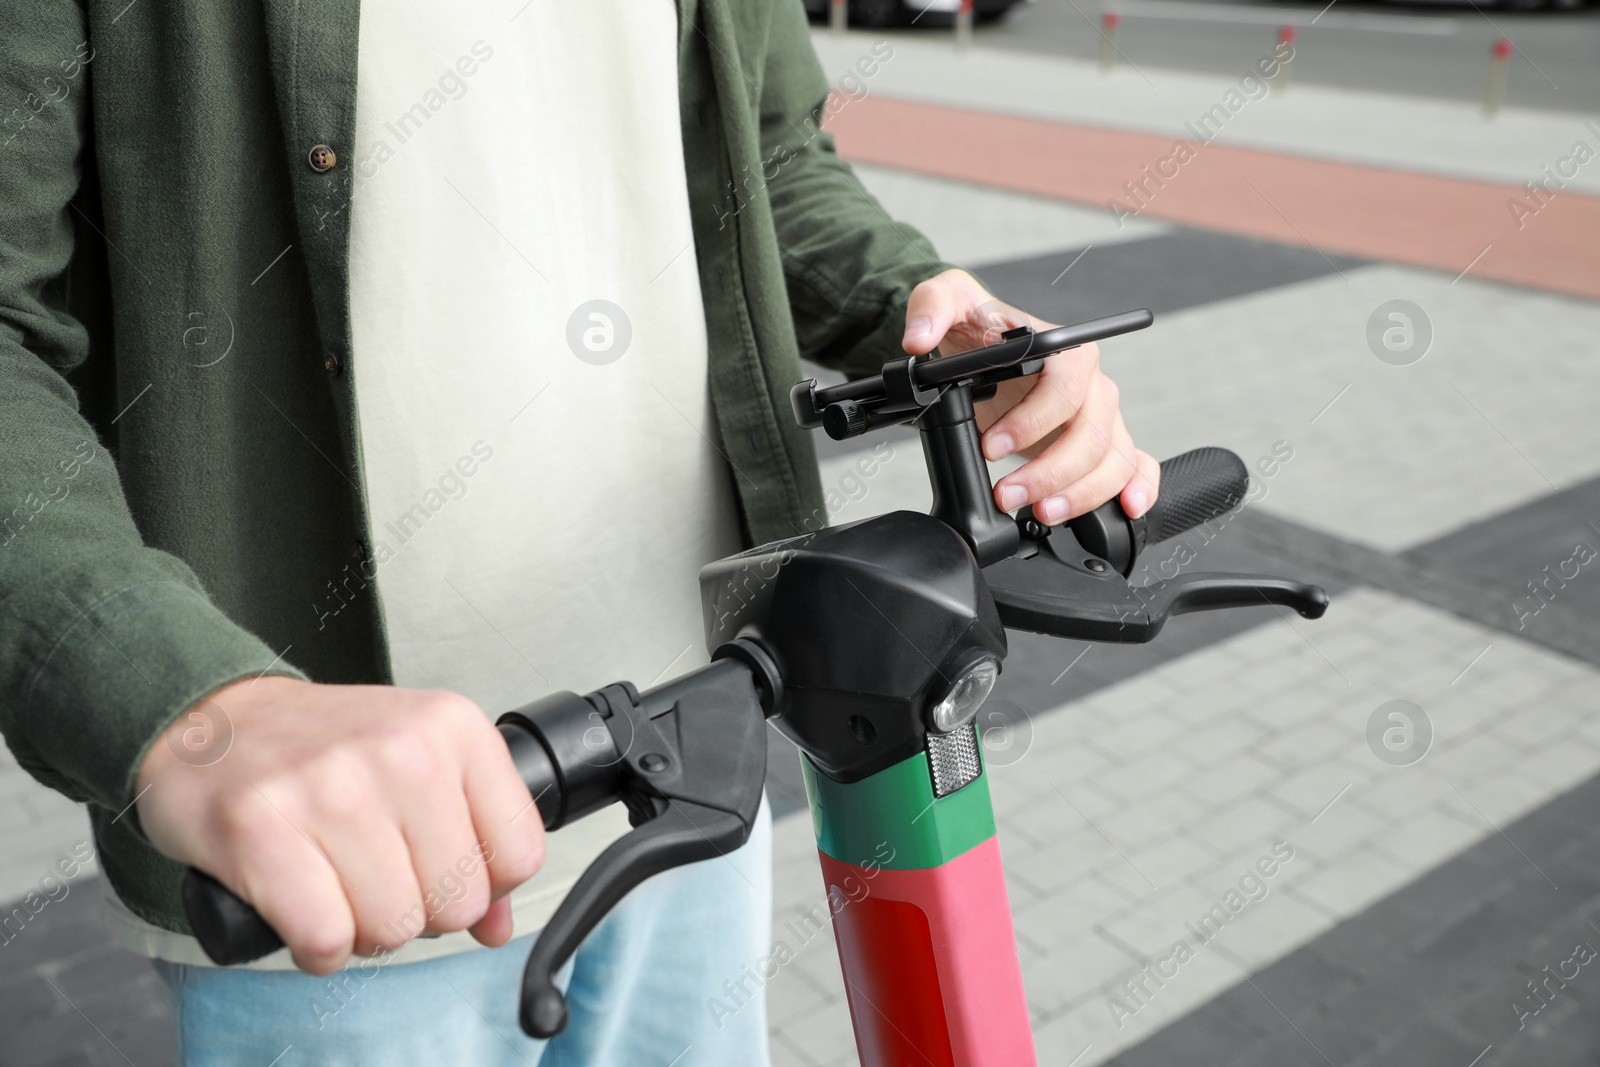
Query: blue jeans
x,y
639,991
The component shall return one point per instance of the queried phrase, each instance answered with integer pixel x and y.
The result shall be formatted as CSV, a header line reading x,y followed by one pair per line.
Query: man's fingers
x,y
291,884
1141,491
444,858
1052,482
1085,494
1059,392
494,929
379,880
355,818
508,824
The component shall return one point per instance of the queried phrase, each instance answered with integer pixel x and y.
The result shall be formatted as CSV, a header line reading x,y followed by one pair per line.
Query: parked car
x,y
882,14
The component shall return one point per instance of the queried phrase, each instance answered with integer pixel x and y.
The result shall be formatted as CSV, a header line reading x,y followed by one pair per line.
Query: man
x,y
435,351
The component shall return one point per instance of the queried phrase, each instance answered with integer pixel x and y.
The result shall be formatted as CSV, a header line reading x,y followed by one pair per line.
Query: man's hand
x,y
1064,419
349,816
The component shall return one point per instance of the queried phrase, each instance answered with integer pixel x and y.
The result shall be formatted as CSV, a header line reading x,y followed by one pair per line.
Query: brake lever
x,y
692,772
1209,592
679,833
1054,585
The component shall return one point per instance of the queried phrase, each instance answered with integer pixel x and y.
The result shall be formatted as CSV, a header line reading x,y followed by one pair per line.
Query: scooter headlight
x,y
965,694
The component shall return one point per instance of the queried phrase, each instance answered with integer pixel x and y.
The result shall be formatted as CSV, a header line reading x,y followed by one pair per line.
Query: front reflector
x,y
953,759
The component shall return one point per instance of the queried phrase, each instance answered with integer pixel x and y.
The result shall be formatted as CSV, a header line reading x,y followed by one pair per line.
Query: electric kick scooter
x,y
871,646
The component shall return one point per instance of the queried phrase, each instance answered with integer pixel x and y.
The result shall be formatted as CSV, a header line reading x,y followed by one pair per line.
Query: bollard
x,y
963,25
1108,41
1286,36
838,16
1499,60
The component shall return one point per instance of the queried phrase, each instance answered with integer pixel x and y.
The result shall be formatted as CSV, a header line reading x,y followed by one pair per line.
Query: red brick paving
x,y
1396,216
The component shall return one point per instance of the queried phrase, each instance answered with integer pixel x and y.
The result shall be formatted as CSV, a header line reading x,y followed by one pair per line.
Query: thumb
x,y
930,310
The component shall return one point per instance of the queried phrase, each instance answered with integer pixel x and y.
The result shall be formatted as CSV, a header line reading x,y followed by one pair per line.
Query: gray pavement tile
x,y
1430,972
786,1055
63,930
1428,838
1217,1039
1553,1051
791,994
85,1055
1426,1042
1577,806
1286,1050
1504,796
67,991
1350,881
1221,740
1578,1023
786,790
1334,1040
1233,782
1388,1002
1543,834
816,1035
1245,1005
1457,953
1297,984
1362,943
1450,892
1401,794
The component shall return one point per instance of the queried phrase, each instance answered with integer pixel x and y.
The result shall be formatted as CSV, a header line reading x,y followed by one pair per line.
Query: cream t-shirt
x,y
530,369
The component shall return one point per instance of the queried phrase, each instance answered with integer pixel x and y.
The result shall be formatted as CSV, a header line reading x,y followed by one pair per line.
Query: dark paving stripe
x,y
1476,574
1433,974
106,1006
1544,543
1172,271
1166,272
1033,676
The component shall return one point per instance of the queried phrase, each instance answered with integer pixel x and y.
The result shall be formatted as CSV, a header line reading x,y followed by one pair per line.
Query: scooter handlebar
x,y
687,790
229,930
1196,487
566,783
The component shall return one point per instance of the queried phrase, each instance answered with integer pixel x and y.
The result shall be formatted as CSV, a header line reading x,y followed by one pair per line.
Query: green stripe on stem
x,y
892,820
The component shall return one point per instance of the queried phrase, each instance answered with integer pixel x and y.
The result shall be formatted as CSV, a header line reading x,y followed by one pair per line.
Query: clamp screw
x,y
1096,565
844,420
653,763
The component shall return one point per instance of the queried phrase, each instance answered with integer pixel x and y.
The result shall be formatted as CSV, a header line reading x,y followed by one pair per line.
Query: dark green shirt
x,y
180,479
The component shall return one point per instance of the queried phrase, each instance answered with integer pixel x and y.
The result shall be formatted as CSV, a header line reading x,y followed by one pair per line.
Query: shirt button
x,y
321,158
332,364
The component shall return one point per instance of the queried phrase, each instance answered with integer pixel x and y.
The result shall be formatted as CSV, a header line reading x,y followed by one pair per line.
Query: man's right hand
x,y
348,816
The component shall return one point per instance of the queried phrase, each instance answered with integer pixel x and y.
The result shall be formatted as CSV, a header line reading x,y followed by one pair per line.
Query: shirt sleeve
x,y
848,266
104,641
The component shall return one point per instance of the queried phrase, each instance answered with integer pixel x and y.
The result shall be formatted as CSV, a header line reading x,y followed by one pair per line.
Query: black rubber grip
x,y
1196,487
229,930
